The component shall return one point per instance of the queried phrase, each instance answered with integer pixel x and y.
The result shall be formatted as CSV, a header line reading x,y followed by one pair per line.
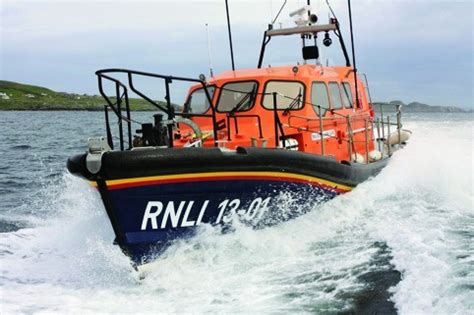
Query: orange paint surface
x,y
301,124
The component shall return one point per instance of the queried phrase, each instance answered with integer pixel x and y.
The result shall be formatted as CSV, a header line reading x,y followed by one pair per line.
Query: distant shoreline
x,y
22,97
18,96
68,110
416,107
144,111
405,109
388,109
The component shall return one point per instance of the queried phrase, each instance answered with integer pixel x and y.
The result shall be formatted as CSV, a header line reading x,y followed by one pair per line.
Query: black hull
x,y
154,196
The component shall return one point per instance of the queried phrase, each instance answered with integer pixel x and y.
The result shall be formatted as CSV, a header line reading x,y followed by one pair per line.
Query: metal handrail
x,y
277,123
371,125
122,98
117,108
259,123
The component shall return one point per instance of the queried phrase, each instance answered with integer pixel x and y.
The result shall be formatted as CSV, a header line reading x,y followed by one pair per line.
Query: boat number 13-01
x,y
255,210
178,214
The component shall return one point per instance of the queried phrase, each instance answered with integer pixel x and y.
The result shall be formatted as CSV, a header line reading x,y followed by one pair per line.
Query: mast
x,y
353,54
209,51
230,35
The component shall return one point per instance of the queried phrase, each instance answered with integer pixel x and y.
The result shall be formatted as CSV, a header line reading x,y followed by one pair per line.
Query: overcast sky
x,y
410,50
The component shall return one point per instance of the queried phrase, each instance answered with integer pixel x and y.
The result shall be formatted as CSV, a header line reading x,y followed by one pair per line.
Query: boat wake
x,y
406,235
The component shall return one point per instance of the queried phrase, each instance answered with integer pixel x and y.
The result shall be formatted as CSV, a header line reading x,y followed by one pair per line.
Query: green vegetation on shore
x,y
17,96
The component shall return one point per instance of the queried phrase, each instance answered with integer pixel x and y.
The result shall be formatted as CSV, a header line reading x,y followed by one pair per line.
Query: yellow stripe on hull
x,y
307,178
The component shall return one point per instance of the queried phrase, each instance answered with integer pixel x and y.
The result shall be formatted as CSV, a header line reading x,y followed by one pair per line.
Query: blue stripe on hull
x,y
150,217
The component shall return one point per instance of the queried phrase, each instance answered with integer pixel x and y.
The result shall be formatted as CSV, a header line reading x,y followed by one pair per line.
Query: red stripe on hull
x,y
222,178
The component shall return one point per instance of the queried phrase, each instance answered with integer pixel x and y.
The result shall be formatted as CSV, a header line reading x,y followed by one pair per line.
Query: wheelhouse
x,y
270,106
311,108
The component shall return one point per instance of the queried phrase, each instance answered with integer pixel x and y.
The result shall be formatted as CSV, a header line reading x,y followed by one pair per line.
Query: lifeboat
x,y
261,146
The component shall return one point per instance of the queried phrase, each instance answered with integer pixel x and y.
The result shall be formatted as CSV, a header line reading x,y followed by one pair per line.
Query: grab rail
x,y
259,123
116,107
121,99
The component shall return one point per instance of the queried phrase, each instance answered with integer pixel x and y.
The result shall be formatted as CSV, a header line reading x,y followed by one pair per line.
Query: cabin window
x,y
335,94
347,95
198,102
290,95
320,97
237,96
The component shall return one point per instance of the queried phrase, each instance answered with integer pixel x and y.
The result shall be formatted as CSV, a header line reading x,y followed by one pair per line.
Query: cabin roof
x,y
304,72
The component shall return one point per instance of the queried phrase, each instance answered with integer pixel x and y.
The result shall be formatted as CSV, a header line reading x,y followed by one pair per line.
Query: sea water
x,y
400,242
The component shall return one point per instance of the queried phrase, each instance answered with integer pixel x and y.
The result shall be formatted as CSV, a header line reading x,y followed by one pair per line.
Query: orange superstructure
x,y
302,93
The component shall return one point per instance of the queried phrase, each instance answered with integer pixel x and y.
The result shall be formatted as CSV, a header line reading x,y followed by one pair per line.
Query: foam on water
x,y
416,217
426,215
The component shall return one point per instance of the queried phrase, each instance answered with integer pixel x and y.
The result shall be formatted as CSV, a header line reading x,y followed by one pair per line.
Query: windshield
x,y
347,95
237,96
289,95
320,98
198,102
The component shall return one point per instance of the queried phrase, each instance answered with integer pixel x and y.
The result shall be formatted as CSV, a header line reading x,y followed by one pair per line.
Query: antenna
x,y
230,35
209,51
339,35
278,14
353,53
271,11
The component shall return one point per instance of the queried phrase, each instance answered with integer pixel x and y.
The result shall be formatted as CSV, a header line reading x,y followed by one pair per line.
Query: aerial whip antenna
x,y
339,36
278,14
209,51
271,10
230,35
330,9
353,53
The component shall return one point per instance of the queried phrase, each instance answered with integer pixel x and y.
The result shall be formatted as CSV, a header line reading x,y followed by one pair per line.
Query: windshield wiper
x,y
294,102
248,96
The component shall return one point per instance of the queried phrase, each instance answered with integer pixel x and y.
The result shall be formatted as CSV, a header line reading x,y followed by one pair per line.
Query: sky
x,y
418,50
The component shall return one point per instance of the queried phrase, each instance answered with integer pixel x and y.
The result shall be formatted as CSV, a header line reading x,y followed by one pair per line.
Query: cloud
x,y
409,49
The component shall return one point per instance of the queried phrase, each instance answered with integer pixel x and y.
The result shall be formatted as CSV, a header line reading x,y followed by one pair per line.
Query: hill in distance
x,y
18,96
417,107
